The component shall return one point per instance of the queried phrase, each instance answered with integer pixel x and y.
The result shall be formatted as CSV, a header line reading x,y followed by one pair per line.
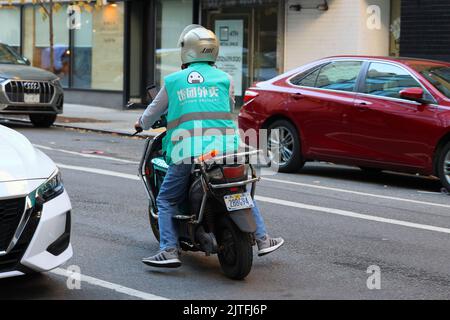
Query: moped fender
x,y
244,220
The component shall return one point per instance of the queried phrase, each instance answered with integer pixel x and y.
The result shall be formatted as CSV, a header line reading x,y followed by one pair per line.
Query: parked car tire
x,y
42,120
444,166
291,159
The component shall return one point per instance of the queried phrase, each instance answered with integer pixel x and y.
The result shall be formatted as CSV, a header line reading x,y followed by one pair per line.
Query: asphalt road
x,y
337,222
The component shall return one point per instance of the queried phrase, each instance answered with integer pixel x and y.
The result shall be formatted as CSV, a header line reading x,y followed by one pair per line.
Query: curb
x,y
105,131
120,133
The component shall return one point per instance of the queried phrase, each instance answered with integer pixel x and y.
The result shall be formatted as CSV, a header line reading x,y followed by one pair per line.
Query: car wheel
x,y
444,166
283,146
42,120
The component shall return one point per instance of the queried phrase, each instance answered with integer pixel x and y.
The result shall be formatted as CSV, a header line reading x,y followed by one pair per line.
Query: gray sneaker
x,y
267,245
164,259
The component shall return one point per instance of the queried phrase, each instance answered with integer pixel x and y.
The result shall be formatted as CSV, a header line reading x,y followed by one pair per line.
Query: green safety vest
x,y
199,117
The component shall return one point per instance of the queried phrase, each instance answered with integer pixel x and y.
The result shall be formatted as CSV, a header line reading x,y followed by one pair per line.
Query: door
x,y
387,130
321,104
249,41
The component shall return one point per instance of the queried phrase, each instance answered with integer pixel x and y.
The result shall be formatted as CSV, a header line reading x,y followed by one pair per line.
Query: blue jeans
x,y
173,191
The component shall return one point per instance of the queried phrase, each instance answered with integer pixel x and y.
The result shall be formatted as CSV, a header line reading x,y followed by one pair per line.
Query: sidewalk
x,y
101,119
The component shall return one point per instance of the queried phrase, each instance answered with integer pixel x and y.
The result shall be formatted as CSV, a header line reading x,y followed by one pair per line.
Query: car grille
x,y
16,89
29,108
11,261
11,210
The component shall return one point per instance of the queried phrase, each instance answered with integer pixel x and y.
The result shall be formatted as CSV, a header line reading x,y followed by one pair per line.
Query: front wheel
x,y
235,250
42,120
444,167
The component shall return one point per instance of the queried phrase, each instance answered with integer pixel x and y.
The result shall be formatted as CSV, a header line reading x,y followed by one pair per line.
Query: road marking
x,y
109,285
357,192
85,155
298,205
273,180
429,192
99,171
352,214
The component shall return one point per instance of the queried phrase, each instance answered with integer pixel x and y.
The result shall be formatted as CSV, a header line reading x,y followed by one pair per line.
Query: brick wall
x,y
425,29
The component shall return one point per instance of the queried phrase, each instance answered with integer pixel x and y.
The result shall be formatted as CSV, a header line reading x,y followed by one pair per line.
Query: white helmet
x,y
198,44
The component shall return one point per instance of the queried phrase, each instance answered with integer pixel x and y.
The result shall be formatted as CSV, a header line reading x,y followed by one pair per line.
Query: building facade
x,y
107,55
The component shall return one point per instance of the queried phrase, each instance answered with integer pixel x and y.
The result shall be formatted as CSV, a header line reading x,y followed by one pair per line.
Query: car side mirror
x,y
413,94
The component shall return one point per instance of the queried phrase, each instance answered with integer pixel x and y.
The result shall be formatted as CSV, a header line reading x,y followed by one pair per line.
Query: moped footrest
x,y
180,217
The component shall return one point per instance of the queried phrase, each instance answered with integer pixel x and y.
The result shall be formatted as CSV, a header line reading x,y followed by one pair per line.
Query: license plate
x,y
238,201
31,98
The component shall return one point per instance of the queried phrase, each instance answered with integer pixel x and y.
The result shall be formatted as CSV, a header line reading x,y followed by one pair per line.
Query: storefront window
x,y
172,17
394,47
10,27
97,53
37,41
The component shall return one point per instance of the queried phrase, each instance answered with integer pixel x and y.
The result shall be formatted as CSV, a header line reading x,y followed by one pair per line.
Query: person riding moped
x,y
214,93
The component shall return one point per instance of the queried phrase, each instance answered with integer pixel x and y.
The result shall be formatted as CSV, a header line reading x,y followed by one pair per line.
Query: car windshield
x,y
438,75
9,56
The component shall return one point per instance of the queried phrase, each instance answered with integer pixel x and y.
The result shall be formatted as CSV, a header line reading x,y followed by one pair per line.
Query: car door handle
x,y
297,96
362,105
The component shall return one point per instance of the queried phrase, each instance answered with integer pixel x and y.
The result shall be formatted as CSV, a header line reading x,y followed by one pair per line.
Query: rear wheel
x,y
235,250
444,166
42,120
284,146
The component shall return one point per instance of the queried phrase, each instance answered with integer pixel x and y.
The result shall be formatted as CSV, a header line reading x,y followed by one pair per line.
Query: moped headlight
x,y
50,189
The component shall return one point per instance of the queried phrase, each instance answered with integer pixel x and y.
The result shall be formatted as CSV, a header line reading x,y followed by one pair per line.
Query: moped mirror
x,y
152,92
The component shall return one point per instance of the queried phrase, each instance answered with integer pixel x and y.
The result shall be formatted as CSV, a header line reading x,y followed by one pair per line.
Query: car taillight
x,y
148,170
250,95
234,172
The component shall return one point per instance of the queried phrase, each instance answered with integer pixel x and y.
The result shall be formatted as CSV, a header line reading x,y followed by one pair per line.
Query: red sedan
x,y
373,112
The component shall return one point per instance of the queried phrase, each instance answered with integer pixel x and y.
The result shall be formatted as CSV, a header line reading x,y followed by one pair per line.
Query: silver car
x,y
28,90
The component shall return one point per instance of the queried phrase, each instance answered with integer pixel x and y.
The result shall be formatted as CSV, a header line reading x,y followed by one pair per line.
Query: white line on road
x,y
99,171
274,180
289,204
352,214
357,193
109,285
85,155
